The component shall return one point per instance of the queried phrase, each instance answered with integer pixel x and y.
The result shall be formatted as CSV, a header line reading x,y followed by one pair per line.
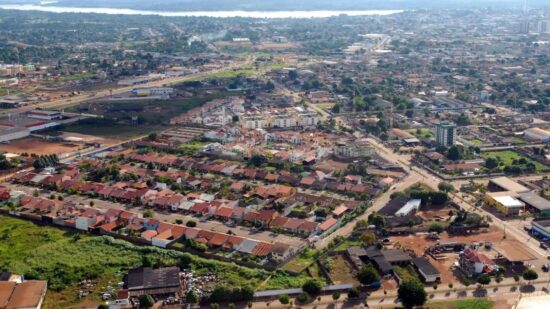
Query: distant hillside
x,y
286,5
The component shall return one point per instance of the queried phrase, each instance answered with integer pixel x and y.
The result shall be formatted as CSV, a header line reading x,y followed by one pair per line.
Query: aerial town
x,y
391,159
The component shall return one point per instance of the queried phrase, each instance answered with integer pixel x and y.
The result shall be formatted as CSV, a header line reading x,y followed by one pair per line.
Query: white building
x,y
538,134
146,92
44,115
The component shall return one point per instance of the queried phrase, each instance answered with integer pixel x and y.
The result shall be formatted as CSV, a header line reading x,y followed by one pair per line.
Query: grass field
x,y
478,303
155,117
422,133
508,156
476,142
111,130
300,262
65,258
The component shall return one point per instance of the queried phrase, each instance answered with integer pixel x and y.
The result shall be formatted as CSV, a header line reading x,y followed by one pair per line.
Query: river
x,y
221,14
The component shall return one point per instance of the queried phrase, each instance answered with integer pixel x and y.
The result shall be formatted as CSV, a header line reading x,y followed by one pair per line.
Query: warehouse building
x,y
506,184
534,202
149,281
541,228
426,270
538,134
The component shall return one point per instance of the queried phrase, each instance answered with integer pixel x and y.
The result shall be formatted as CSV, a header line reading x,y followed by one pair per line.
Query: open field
x,y
422,133
340,270
476,142
110,130
477,303
65,258
300,262
508,156
419,243
38,146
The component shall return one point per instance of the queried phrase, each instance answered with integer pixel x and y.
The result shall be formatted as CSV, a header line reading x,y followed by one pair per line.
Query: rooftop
x,y
509,185
149,278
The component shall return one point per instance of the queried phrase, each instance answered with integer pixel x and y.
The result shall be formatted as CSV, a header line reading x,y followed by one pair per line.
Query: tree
x,y
445,187
367,274
530,275
258,160
153,136
353,293
484,279
191,223
146,261
491,163
191,297
368,238
454,153
302,297
411,293
312,287
146,301
292,74
336,296
284,299
436,228
148,213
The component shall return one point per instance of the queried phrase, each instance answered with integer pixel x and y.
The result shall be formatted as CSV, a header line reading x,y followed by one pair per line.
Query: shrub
x,y
312,287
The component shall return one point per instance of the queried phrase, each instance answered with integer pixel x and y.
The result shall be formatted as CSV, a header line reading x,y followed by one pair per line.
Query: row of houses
x,y
151,230
204,205
315,180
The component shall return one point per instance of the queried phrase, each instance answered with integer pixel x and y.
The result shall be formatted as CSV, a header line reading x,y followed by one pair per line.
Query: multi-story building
x,y
281,120
352,149
543,26
445,134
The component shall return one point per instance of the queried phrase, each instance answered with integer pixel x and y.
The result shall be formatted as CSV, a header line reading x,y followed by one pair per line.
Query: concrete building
x,y
147,92
44,115
351,149
427,271
543,26
506,202
445,134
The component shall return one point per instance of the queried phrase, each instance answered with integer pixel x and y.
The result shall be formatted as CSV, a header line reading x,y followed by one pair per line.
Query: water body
x,y
221,14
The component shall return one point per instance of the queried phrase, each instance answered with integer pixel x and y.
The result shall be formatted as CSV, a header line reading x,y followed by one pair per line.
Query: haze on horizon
x,y
280,5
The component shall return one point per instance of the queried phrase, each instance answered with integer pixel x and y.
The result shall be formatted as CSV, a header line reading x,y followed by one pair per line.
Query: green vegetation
x,y
406,273
411,293
65,258
510,158
478,303
300,262
191,148
476,142
109,129
423,133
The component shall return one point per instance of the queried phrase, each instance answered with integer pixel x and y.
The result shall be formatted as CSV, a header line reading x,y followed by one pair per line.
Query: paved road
x,y
510,291
88,96
433,182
